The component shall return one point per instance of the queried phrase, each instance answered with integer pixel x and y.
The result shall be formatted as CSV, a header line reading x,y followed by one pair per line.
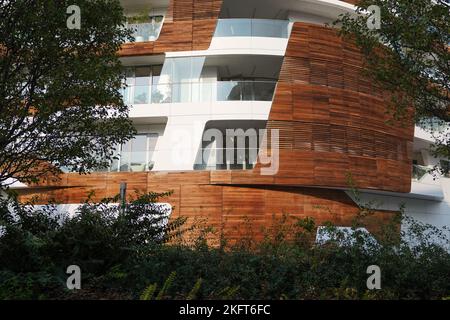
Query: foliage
x,y
60,100
292,270
123,255
98,237
141,17
195,289
151,289
414,63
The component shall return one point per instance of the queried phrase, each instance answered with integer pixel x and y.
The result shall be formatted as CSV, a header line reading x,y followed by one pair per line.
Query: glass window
x,y
142,85
181,73
115,162
263,90
181,70
166,71
252,28
233,28
161,91
155,26
126,90
152,140
136,154
146,28
142,75
187,80
237,150
125,153
129,75
270,28
206,91
247,90
156,74
197,64
229,91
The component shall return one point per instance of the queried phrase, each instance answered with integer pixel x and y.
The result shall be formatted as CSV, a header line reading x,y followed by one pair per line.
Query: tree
x,y
60,100
413,65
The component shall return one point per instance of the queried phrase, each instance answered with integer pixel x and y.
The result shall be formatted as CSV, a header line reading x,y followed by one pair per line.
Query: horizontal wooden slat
x,y
188,25
327,106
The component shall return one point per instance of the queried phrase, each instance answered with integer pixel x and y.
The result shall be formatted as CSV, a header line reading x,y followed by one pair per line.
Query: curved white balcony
x,y
257,36
191,92
201,101
267,28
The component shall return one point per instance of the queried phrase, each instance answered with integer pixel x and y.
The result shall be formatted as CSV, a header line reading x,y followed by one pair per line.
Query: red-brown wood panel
x,y
236,211
188,25
332,121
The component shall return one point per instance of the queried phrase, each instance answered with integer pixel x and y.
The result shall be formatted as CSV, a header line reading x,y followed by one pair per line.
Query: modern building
x,y
250,109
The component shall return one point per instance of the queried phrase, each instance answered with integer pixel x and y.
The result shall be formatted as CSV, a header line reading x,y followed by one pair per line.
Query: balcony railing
x,y
145,31
252,28
200,92
228,159
419,172
133,162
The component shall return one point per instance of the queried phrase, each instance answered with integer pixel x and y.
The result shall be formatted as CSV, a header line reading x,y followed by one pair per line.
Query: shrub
x,y
125,253
98,238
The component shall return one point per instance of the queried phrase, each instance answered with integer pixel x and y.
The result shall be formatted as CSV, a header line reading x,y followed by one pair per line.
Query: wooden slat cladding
x,y
333,121
324,107
236,211
188,25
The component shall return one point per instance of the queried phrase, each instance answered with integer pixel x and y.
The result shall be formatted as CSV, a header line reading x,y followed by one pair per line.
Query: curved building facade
x,y
250,109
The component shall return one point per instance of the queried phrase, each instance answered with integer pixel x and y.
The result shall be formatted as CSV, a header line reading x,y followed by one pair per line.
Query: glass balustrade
x,y
245,90
228,159
148,31
135,155
252,28
419,172
199,92
134,162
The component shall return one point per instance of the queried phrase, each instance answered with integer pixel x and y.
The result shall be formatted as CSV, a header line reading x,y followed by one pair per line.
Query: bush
x,y
126,254
97,238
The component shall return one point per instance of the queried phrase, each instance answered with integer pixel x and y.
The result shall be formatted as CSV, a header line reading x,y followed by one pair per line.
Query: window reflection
x,y
252,28
188,80
136,155
148,30
142,85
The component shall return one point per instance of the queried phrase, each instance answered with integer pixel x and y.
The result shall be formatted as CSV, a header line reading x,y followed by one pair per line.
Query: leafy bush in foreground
x,y
125,254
